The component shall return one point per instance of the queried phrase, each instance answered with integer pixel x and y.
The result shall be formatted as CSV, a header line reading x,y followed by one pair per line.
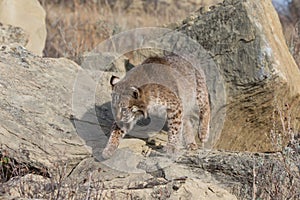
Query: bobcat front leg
x,y
204,106
113,142
174,117
204,123
188,133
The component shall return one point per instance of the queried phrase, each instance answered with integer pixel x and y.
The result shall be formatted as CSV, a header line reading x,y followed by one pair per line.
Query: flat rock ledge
x,y
44,157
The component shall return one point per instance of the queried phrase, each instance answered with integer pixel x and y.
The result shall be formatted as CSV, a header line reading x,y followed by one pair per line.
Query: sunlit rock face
x,y
245,40
30,16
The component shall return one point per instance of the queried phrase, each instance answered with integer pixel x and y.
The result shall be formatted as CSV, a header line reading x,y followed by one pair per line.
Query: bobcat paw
x,y
107,153
204,138
204,135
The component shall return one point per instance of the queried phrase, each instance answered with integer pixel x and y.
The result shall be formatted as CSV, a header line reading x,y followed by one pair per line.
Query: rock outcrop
x,y
50,149
245,40
31,17
36,97
42,155
198,175
254,83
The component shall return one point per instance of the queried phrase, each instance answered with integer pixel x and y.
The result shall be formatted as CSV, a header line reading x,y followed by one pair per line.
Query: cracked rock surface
x,y
35,109
245,40
52,138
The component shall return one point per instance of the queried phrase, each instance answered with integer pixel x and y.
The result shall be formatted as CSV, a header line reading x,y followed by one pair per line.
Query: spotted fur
x,y
131,103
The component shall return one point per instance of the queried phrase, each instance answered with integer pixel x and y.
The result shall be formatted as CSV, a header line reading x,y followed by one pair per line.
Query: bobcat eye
x,y
135,92
135,95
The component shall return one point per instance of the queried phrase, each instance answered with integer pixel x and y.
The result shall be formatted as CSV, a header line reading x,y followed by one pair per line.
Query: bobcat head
x,y
128,104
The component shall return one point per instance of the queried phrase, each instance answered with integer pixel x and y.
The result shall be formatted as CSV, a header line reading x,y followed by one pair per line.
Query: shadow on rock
x,y
94,128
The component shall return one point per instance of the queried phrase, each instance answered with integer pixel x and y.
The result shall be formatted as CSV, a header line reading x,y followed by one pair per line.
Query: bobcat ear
x,y
114,80
135,92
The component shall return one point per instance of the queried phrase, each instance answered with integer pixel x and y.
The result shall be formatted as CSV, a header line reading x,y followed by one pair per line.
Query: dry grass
x,y
280,179
23,180
77,26
290,20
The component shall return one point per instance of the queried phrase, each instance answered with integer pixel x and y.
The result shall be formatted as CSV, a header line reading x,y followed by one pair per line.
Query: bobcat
x,y
170,82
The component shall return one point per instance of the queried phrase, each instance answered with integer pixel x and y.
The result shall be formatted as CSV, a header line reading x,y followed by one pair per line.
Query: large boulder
x,y
262,80
36,109
31,17
42,148
39,133
252,79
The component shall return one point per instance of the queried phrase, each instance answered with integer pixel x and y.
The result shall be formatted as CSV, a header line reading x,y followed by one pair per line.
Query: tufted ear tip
x,y
114,80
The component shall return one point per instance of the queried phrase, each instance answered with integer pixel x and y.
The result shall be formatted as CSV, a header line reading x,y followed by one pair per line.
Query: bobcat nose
x,y
118,116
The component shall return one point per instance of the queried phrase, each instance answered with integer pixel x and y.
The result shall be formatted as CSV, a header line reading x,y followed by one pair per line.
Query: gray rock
x,y
11,34
250,74
104,61
50,121
195,189
201,174
36,109
245,40
94,180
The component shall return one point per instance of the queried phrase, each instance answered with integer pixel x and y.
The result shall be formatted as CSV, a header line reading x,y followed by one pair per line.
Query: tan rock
x,y
255,77
246,42
36,110
195,189
135,145
30,16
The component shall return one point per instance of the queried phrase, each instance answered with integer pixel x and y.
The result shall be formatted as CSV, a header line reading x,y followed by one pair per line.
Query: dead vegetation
x,y
290,20
78,26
